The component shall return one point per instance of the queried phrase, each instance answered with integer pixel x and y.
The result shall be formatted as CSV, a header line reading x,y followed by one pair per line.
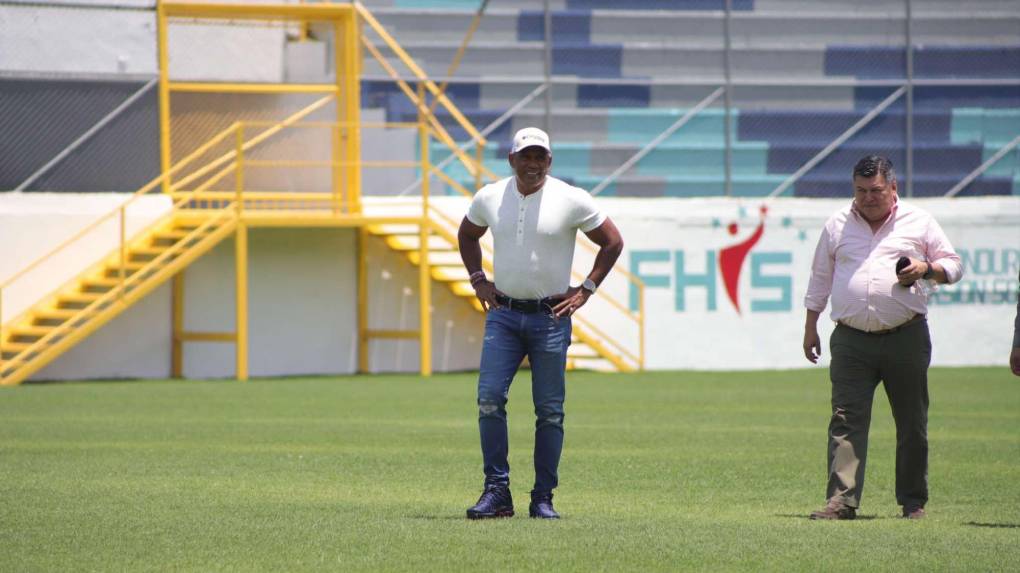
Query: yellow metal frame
x,y
213,215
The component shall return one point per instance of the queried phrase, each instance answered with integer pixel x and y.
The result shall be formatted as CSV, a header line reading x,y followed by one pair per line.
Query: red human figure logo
x,y
731,259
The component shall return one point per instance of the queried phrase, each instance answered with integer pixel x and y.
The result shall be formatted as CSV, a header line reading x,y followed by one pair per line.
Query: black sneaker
x,y
495,501
542,507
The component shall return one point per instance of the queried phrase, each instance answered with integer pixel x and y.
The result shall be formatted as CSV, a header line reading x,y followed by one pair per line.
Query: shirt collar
x,y
891,215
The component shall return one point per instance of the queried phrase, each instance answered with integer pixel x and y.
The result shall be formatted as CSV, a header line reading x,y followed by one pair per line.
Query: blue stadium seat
x,y
567,26
878,62
659,4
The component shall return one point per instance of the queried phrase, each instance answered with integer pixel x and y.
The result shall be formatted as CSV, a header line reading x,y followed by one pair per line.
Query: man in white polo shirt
x,y
534,220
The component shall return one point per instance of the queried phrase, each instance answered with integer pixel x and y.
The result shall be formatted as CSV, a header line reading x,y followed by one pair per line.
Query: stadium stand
x,y
627,71
802,72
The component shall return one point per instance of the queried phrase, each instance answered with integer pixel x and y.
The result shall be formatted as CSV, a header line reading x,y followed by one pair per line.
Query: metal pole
x,y
657,141
475,22
484,133
362,300
162,38
548,23
177,343
424,298
728,150
122,271
909,167
87,135
837,142
983,167
1,335
241,300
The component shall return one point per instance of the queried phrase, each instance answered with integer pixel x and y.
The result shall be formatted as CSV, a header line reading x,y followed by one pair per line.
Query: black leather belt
x,y
527,305
913,320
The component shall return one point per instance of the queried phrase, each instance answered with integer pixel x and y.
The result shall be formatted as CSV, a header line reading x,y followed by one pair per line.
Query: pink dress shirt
x,y
857,267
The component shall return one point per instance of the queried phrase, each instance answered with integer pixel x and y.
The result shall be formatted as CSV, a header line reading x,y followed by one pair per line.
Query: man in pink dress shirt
x,y
881,334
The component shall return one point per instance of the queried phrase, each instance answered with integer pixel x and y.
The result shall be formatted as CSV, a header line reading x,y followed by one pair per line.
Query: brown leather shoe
x,y
913,512
835,509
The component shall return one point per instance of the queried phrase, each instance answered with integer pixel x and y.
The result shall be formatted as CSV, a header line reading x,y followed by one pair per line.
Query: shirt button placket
x,y
520,224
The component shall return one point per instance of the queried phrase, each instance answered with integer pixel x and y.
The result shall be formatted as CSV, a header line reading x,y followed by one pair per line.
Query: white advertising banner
x,y
725,279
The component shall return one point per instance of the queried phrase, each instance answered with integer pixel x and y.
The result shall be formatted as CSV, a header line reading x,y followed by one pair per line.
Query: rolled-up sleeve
x,y
822,266
940,251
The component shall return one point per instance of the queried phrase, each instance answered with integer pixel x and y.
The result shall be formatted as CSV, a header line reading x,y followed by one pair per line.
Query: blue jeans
x,y
509,337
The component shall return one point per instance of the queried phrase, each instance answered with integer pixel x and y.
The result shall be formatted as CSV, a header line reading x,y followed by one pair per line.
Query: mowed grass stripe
x,y
661,471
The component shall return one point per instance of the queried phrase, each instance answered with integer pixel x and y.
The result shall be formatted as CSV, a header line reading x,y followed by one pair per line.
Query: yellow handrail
x,y
251,143
105,297
134,196
429,84
636,317
438,130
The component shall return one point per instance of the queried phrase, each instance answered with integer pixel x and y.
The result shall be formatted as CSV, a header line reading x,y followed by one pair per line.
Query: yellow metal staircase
x,y
213,200
102,292
590,348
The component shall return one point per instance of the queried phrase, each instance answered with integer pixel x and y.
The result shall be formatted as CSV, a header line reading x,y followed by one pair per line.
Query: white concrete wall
x,y
303,292
33,224
89,40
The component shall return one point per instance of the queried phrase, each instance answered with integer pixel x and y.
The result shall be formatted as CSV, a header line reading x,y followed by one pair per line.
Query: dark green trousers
x,y
859,362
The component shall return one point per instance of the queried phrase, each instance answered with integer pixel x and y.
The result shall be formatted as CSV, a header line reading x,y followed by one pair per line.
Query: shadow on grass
x,y
805,516
994,525
432,517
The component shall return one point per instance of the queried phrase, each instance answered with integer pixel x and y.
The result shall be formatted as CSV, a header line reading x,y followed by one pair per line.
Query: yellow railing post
x,y
1,335
123,251
177,344
339,169
362,301
164,94
349,90
339,151
425,297
239,170
241,299
423,140
424,278
479,157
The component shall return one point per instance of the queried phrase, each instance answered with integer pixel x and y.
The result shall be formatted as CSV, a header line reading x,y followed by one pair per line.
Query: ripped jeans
x,y
509,337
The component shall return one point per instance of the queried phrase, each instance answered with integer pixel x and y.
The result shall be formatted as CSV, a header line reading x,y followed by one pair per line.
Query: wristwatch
x,y
928,273
590,286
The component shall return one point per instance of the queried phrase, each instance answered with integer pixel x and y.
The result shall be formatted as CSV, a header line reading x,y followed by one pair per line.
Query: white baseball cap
x,y
530,136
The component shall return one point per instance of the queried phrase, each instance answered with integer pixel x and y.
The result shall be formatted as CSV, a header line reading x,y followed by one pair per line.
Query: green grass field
x,y
661,471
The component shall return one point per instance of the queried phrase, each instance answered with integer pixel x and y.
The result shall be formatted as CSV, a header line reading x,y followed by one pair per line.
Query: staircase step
x,y
11,349
101,282
462,288
411,243
77,298
581,350
129,266
32,332
56,314
451,258
174,234
594,364
394,229
450,273
150,251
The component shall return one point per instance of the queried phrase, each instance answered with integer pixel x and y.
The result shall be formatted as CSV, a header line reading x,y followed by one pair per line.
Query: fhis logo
x,y
771,292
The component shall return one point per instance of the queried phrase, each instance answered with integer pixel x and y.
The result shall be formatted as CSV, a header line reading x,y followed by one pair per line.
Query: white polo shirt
x,y
534,235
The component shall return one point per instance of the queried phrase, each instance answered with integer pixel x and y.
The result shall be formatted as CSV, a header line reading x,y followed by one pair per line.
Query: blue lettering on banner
x,y
685,280
978,262
637,258
989,278
782,282
779,285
